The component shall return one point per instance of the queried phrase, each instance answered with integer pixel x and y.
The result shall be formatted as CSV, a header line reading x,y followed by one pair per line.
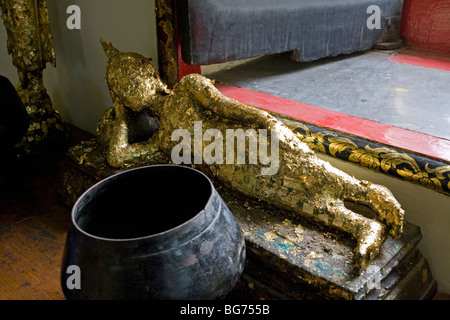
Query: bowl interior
x,y
142,202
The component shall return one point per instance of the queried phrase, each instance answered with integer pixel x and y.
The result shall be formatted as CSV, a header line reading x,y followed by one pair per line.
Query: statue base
x,y
46,131
289,257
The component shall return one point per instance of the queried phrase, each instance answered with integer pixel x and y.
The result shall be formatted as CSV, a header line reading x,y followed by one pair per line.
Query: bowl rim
x,y
207,205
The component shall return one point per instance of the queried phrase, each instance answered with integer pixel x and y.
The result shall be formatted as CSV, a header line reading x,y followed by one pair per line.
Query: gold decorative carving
x,y
424,171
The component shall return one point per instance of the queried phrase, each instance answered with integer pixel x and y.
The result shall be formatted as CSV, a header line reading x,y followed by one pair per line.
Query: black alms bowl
x,y
14,119
155,232
14,122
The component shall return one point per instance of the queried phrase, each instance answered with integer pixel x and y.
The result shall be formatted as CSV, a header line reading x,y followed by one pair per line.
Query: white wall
x,y
77,86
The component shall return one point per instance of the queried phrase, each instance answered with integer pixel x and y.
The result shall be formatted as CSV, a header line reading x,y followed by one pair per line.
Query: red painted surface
x,y
183,67
423,58
396,137
426,24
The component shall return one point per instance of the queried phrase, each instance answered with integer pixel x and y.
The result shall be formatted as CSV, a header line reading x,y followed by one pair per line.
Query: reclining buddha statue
x,y
302,182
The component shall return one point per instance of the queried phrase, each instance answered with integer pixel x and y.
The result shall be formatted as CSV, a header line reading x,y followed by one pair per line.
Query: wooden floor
x,y
33,228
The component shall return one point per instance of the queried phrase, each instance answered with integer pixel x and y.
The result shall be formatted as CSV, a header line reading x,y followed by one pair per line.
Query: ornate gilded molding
x,y
428,172
167,43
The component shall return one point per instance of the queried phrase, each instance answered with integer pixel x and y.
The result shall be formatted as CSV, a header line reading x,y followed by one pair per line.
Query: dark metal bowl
x,y
14,119
14,122
155,232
